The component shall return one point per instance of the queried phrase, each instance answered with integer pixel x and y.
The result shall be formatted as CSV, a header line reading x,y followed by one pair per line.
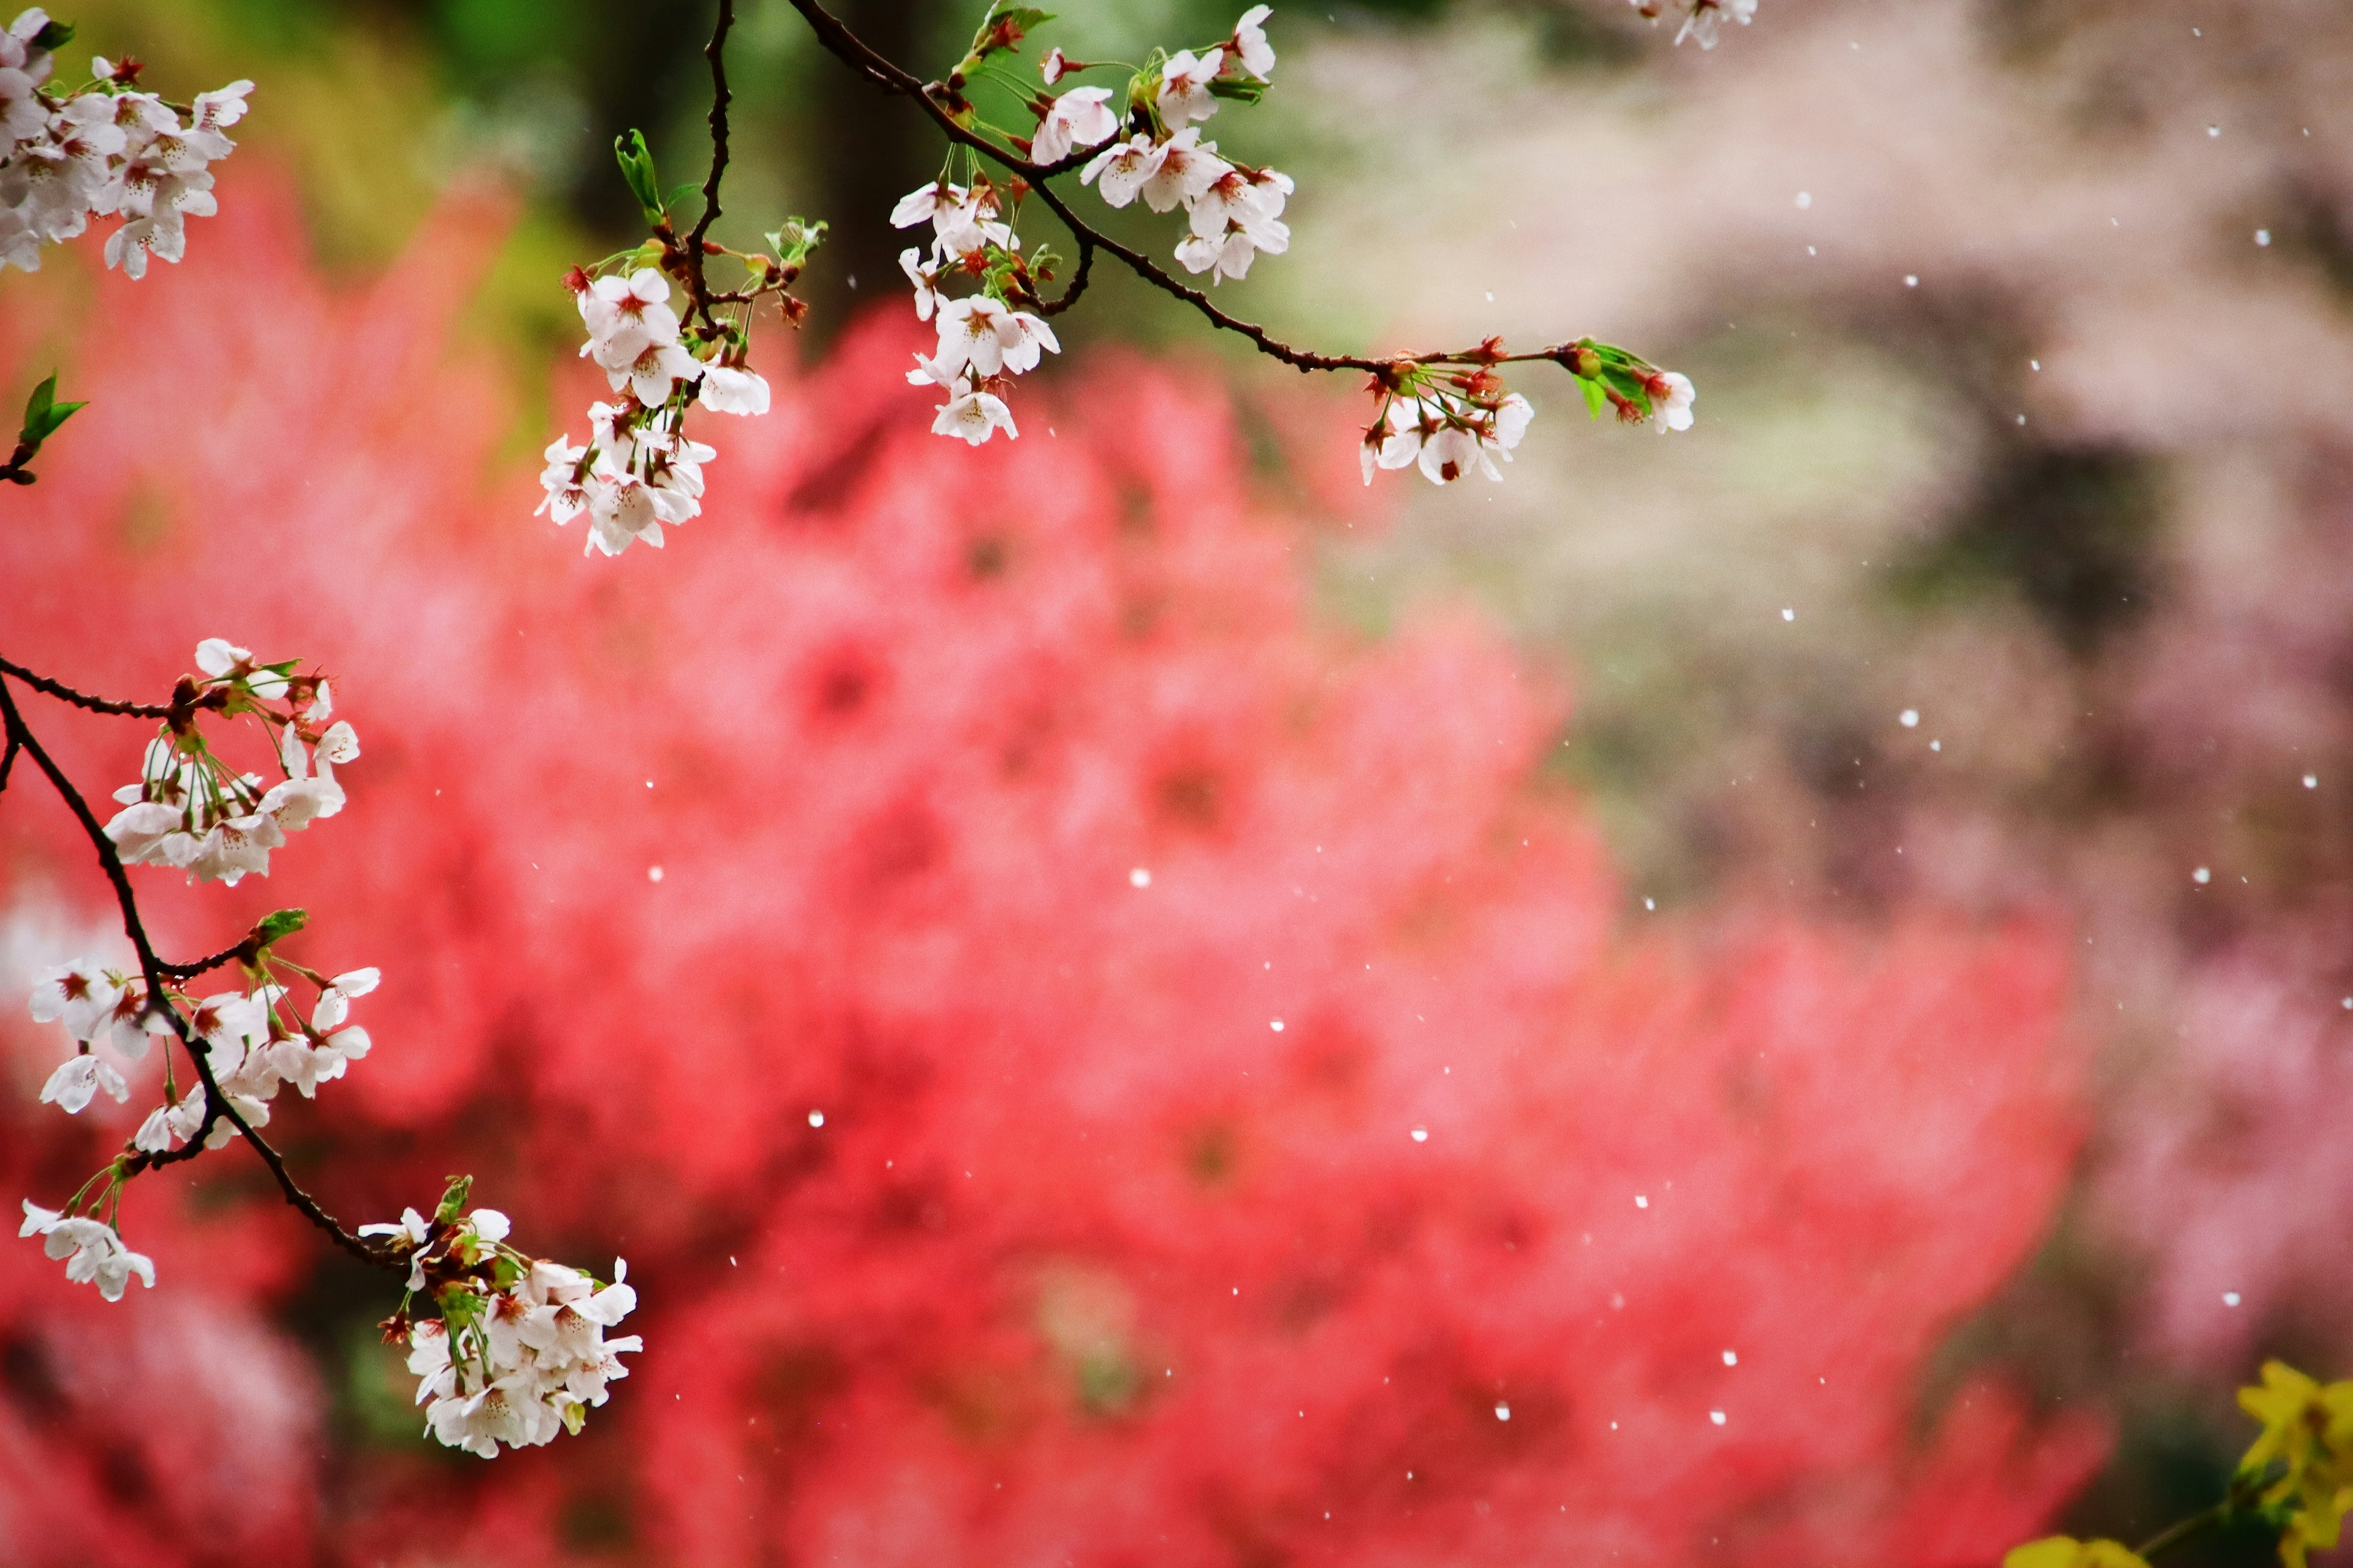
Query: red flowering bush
x,y
1084,1064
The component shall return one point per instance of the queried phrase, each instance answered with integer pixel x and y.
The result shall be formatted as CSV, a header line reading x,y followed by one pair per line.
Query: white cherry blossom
x,y
925,280
1187,168
78,1078
981,332
82,996
726,390
1185,97
94,1253
1123,168
1671,401
1080,118
976,416
1255,55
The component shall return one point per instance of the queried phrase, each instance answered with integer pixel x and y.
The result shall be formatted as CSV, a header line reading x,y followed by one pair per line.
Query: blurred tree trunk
x,y
866,148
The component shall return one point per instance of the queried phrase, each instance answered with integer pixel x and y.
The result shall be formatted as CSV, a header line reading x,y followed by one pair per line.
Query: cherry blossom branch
x,y
65,693
855,52
154,971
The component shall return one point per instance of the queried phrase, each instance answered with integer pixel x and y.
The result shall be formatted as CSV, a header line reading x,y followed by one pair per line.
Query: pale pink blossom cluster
x,y
518,1351
638,471
984,342
1447,429
93,1251
254,1044
105,150
1233,212
1452,424
1701,19
190,811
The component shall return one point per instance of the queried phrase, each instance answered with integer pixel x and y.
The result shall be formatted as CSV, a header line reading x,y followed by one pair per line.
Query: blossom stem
x,y
2188,1529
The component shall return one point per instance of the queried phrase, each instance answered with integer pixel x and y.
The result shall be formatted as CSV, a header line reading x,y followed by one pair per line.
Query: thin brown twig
x,y
855,52
154,971
716,53
65,693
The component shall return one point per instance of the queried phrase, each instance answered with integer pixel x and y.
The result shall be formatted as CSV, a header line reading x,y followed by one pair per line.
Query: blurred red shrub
x,y
1243,1139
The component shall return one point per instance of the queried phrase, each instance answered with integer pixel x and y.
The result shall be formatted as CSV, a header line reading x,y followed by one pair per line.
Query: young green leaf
x,y
794,242
637,168
453,1199
278,924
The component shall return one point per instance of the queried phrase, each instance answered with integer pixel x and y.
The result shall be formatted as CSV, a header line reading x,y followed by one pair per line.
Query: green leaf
x,y
280,923
638,169
794,242
453,1199
43,415
1025,17
1003,29
54,36
1247,92
1592,390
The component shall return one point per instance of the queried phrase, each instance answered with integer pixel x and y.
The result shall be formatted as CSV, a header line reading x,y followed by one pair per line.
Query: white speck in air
x,y
816,1119
1421,1134
2202,876
1642,1201
1909,718
2230,1297
1805,200
1787,614
653,873
1717,1417
1139,878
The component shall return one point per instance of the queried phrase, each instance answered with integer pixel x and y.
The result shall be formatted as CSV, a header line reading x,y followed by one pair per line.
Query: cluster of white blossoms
x,y
518,1351
254,1044
93,1252
638,471
1701,19
1448,428
1233,211
1450,422
104,149
190,811
984,342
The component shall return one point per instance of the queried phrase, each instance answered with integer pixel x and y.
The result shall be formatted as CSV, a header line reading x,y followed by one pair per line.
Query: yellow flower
x,y
2066,1551
2308,1430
